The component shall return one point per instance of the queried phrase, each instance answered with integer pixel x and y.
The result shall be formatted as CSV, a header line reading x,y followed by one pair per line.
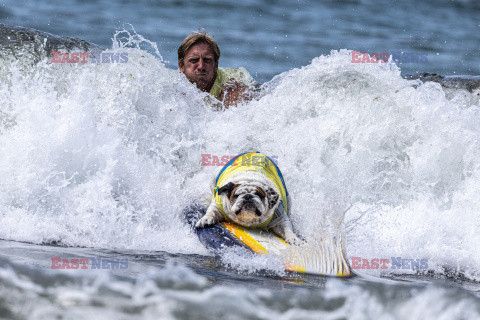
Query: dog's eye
x,y
259,194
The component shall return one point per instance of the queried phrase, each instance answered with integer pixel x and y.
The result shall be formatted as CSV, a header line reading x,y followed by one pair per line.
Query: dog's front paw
x,y
205,222
293,240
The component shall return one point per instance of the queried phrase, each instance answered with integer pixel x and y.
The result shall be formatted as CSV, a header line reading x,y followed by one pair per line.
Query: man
x,y
198,58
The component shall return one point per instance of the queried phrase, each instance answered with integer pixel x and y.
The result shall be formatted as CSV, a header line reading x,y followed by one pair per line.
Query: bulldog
x,y
250,191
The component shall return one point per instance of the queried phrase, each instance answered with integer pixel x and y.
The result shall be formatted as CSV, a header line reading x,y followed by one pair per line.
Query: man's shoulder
x,y
234,76
240,75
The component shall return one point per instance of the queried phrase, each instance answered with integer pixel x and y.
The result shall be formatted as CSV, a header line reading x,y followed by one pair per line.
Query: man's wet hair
x,y
200,36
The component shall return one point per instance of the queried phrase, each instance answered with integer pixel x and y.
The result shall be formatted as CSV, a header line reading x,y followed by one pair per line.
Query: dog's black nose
x,y
248,196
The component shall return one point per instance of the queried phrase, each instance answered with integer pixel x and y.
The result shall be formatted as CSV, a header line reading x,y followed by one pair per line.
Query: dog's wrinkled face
x,y
248,203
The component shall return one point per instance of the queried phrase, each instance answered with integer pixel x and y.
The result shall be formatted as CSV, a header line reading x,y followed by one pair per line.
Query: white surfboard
x,y
324,257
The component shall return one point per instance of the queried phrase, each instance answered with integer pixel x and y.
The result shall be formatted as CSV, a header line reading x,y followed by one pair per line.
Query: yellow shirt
x,y
230,75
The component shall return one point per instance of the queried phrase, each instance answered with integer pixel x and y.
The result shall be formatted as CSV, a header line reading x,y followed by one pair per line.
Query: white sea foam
x,y
108,155
177,292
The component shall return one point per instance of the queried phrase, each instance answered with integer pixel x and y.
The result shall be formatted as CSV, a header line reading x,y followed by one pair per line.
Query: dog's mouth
x,y
256,211
248,208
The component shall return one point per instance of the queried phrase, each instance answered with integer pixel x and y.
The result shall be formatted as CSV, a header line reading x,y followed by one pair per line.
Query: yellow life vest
x,y
252,161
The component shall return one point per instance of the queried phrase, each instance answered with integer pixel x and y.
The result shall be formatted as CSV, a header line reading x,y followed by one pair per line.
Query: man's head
x,y
198,60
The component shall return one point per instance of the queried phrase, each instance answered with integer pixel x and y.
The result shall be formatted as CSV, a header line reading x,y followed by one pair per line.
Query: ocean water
x,y
273,36
99,160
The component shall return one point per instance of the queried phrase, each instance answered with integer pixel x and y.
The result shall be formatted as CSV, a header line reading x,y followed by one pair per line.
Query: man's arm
x,y
235,93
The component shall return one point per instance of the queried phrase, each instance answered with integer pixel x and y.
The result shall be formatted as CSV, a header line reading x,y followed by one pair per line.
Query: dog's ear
x,y
228,188
272,197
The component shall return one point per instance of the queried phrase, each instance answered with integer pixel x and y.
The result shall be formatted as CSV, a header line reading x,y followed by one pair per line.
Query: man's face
x,y
199,66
